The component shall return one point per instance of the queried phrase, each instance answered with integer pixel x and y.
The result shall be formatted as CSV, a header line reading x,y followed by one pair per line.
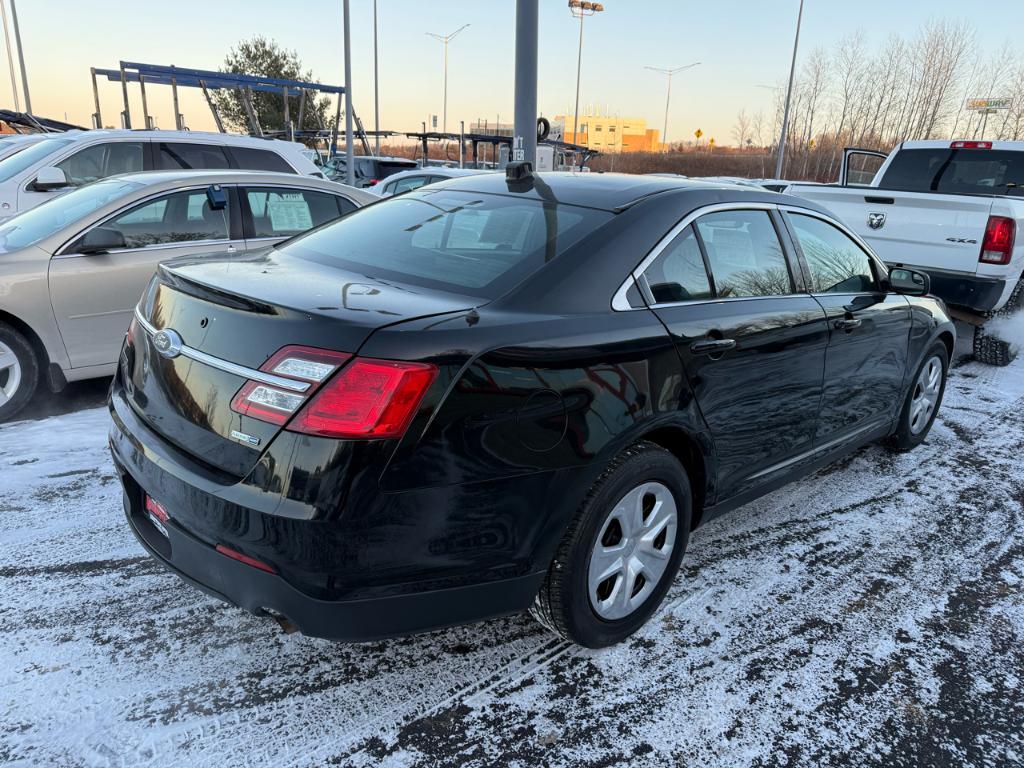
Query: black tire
x,y
904,438
563,604
990,349
29,372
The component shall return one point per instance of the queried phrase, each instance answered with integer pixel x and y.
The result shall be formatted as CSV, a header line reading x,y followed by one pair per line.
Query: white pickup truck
x,y
954,210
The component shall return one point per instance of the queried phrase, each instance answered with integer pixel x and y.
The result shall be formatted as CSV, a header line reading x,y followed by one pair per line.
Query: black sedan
x,y
506,393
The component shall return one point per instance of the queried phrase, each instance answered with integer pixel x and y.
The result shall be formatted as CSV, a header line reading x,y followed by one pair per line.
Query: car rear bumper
x,y
423,602
980,294
263,593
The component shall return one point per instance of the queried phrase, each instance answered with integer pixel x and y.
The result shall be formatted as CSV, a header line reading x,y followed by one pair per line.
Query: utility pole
x,y
789,95
376,90
525,130
21,58
580,10
10,59
350,161
668,96
444,39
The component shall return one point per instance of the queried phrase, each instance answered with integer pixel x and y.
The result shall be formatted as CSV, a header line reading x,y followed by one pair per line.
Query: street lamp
x,y
444,39
668,96
789,95
580,10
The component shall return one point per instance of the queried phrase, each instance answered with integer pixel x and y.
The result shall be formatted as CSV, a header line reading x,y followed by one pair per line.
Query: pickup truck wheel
x,y
990,349
19,371
923,400
621,552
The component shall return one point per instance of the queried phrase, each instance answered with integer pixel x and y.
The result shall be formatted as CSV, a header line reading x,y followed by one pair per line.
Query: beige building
x,y
611,134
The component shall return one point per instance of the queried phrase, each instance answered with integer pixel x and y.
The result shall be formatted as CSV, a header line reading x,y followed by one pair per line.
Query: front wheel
x,y
923,400
19,372
622,551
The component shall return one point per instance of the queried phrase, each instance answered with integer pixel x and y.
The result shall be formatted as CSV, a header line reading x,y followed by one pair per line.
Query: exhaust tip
x,y
287,625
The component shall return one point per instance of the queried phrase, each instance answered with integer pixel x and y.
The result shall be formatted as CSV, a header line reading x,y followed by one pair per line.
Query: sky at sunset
x,y
741,44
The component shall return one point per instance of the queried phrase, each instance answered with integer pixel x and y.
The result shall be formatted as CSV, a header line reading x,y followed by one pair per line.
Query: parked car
x,y
500,394
407,181
72,269
953,210
61,161
369,170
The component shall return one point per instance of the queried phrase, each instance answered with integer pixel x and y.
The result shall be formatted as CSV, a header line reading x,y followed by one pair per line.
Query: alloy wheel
x,y
632,550
926,394
10,373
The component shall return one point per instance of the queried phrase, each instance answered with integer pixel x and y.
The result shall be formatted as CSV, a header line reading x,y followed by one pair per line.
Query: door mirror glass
x,y
101,240
49,179
910,282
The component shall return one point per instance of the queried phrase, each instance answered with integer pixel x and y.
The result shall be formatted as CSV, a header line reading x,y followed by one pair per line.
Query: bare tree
x,y
741,131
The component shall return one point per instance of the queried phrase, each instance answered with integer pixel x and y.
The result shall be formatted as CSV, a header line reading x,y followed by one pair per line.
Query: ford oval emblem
x,y
167,343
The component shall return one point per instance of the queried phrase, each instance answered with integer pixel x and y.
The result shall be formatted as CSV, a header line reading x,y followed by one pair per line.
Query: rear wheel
x,y
923,400
990,349
621,552
19,371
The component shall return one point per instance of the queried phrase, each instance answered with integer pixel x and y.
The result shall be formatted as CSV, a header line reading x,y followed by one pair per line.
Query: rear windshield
x,y
956,171
459,242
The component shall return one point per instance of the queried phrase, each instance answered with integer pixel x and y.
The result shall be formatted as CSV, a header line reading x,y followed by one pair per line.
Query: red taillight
x,y
252,561
367,399
374,182
971,145
157,510
997,247
276,405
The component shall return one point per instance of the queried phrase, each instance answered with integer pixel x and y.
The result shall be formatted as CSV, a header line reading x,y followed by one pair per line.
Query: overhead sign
x,y
989,104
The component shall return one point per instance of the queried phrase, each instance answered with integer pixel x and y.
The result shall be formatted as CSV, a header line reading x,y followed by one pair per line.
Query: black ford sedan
x,y
506,393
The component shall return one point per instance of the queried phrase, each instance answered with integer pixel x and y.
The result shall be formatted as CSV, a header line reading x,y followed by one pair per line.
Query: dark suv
x,y
368,170
496,394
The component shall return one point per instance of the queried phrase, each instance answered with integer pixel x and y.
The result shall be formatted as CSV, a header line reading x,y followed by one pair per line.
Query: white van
x,y
61,161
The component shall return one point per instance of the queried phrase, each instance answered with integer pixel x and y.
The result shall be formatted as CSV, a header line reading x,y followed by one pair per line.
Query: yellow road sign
x,y
698,133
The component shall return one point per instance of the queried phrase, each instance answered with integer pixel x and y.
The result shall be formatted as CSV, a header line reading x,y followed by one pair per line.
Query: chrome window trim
x,y
154,247
224,365
619,301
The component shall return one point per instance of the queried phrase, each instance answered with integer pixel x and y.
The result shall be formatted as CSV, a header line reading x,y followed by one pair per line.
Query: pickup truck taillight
x,y
997,246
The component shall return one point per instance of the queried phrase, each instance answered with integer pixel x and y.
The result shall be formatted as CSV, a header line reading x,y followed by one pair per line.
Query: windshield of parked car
x,y
460,242
12,165
44,220
956,171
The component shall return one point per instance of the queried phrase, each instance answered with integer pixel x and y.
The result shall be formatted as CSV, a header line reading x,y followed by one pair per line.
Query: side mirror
x,y
101,240
910,282
49,179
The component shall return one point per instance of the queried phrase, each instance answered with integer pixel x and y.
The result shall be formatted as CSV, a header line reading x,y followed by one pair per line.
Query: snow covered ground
x,y
872,614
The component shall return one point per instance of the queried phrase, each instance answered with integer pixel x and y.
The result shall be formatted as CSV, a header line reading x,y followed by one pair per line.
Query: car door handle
x,y
712,346
846,324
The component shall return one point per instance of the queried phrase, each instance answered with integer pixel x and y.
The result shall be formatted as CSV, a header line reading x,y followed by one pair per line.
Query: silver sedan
x,y
72,269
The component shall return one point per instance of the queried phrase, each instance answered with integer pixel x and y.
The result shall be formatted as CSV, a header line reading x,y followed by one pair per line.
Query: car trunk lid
x,y
225,333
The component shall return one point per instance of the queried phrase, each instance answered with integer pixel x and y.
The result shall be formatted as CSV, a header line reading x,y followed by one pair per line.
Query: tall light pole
x,y
21,58
668,96
10,58
524,131
789,95
350,160
444,39
580,10
376,90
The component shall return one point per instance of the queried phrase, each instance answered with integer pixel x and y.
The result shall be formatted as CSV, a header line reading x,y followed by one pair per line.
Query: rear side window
x,y
409,184
281,212
251,159
836,263
176,218
102,160
744,253
474,244
678,274
956,171
175,156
